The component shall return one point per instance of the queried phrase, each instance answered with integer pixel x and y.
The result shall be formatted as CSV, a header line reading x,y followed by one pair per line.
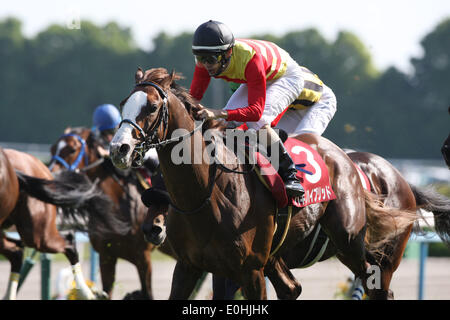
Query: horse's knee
x,y
283,281
254,285
290,292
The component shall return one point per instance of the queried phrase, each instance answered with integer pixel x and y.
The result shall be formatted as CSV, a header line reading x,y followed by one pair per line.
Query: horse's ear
x,y
67,130
169,80
139,75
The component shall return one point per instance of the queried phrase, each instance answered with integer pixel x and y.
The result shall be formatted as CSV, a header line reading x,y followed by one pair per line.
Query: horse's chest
x,y
208,251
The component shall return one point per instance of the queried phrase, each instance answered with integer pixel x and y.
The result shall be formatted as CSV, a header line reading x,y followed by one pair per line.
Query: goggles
x,y
209,59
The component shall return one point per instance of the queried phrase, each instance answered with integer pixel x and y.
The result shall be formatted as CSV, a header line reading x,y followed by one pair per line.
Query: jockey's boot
x,y
287,172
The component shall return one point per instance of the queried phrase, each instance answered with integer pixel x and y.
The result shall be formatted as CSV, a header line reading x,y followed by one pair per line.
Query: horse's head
x,y
145,117
71,150
157,200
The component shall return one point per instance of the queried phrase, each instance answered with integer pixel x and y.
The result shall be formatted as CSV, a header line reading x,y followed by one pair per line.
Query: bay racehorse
x,y
29,196
223,222
384,180
76,149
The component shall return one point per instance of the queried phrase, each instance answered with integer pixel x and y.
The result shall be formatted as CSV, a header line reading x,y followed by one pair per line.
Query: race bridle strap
x,y
76,163
151,140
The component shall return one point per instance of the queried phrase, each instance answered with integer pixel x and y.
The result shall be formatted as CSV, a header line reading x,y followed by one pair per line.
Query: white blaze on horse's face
x,y
61,145
120,153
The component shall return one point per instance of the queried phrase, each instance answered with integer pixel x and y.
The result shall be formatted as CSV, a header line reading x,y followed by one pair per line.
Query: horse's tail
x,y
385,223
430,200
76,195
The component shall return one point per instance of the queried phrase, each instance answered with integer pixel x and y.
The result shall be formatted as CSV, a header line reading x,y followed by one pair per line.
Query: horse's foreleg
x,y
107,271
284,282
254,285
144,267
14,254
184,279
223,288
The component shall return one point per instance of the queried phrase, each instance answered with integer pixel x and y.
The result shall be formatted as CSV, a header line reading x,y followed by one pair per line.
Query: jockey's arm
x,y
256,83
200,82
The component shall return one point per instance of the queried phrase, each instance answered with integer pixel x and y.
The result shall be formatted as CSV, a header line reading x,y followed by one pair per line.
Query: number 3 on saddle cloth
x,y
312,173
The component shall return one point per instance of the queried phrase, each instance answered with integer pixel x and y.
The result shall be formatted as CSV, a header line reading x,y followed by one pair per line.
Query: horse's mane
x,y
161,76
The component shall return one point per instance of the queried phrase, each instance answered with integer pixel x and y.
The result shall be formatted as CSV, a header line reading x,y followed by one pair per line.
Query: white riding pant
x,y
280,93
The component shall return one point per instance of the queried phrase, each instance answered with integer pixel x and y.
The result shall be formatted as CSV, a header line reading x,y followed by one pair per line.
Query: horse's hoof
x,y
136,295
390,295
101,295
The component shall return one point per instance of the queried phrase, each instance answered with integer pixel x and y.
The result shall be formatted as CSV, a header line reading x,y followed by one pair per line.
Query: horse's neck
x,y
187,183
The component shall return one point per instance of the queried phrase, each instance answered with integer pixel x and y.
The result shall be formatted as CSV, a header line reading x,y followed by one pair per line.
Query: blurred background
x,y
388,63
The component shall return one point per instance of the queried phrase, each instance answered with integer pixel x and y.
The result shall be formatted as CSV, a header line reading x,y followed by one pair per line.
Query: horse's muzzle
x,y
120,155
154,234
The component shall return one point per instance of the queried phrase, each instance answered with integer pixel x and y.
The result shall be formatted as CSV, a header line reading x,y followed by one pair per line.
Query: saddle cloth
x,y
316,184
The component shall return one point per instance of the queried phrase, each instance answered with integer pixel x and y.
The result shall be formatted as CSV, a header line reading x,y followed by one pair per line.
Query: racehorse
x,y
77,150
223,222
384,180
25,179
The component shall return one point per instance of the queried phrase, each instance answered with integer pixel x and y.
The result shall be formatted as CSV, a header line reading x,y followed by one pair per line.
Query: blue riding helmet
x,y
106,117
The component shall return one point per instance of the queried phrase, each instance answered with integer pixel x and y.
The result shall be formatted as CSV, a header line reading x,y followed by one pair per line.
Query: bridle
x,y
81,155
151,139
74,166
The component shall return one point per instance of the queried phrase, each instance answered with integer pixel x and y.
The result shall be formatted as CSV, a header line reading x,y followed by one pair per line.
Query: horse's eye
x,y
152,108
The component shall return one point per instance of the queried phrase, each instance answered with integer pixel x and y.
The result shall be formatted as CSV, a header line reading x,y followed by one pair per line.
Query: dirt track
x,y
319,282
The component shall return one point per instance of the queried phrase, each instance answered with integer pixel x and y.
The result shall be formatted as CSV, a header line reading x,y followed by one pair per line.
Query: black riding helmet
x,y
213,38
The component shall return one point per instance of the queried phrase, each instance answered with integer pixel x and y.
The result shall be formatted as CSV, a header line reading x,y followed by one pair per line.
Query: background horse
x,y
34,219
223,222
9,195
77,150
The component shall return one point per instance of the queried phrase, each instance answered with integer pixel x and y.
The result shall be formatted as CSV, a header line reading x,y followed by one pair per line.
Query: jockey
x,y
273,87
106,120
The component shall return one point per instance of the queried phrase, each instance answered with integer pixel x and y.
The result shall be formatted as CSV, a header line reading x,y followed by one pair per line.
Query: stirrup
x,y
294,189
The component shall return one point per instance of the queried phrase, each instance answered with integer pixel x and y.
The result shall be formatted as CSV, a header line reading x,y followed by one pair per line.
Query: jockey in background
x,y
274,90
106,120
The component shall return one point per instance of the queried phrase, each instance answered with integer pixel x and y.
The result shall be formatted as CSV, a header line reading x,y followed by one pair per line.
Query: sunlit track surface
x,y
319,282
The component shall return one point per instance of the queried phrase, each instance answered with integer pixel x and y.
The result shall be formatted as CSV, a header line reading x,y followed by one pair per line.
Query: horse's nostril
x,y
124,149
156,230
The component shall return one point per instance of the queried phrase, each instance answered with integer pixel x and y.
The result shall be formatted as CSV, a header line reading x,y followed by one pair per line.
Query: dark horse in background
x,y
28,198
77,150
223,222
